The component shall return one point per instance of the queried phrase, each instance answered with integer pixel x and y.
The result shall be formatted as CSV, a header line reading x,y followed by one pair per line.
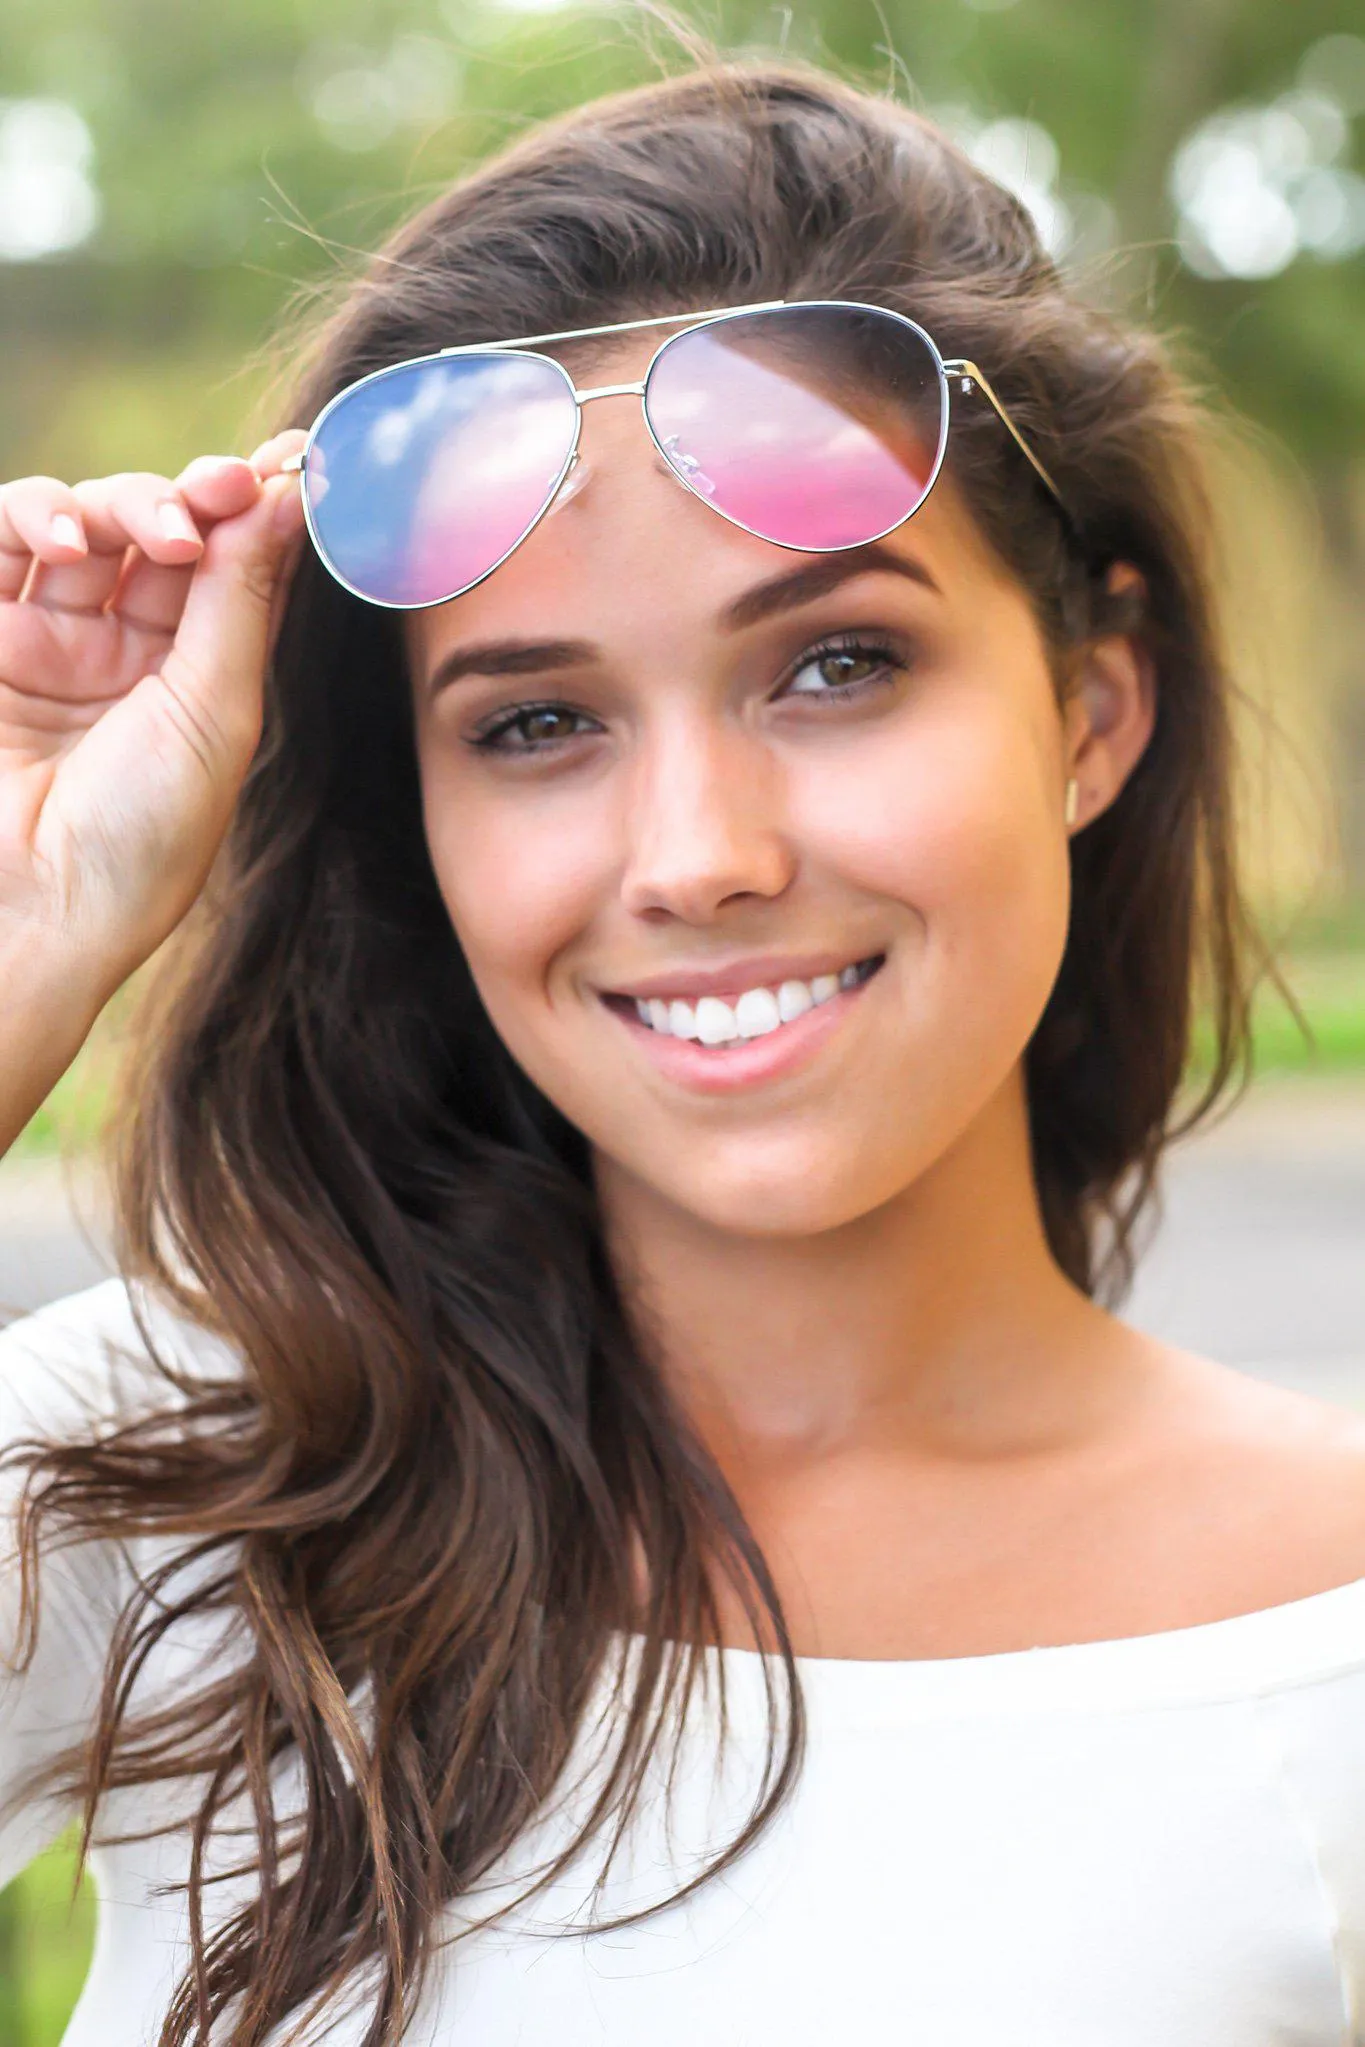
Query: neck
x,y
937,1323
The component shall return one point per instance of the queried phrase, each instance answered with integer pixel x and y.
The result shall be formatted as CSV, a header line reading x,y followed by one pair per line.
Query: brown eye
x,y
844,668
536,727
835,671
532,727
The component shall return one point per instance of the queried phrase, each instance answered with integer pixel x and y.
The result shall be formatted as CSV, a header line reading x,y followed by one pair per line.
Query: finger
x,y
216,668
268,457
142,510
135,509
148,595
70,545
40,520
267,461
218,486
81,586
151,595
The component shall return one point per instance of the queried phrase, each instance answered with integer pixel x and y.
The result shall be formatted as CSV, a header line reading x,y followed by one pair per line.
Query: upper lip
x,y
731,978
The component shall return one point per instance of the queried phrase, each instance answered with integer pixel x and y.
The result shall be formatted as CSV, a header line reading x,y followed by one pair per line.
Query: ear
x,y
1111,707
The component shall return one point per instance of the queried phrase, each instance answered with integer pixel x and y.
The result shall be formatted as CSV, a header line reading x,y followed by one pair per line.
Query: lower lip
x,y
709,1070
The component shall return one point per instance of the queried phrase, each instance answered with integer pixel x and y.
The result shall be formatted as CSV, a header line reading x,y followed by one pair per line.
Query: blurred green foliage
x,y
46,1936
239,152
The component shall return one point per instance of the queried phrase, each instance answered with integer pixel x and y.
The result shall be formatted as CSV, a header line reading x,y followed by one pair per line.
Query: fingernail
x,y
218,465
175,523
287,512
67,533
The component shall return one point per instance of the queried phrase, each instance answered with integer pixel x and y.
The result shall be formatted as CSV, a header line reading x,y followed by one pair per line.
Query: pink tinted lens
x,y
815,426
421,479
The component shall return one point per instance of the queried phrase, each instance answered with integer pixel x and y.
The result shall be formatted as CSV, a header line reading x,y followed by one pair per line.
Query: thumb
x,y
217,665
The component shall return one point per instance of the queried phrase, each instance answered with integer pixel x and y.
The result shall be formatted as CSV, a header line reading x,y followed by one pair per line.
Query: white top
x,y
1151,1842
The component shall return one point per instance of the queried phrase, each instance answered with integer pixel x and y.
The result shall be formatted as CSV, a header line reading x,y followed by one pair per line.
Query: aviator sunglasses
x,y
817,425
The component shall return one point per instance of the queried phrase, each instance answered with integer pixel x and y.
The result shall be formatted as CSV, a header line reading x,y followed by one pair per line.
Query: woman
x,y
604,1507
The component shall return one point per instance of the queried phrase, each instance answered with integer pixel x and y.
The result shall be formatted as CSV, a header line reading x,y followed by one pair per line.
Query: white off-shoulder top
x,y
1150,1842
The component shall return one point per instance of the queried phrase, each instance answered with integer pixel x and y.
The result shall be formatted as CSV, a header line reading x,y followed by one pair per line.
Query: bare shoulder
x,y
1284,1468
1267,1419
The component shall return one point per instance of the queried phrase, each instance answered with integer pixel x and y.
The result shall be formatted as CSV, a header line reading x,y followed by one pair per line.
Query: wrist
x,y
54,971
50,995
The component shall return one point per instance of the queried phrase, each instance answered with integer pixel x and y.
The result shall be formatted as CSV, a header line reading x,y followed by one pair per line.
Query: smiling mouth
x,y
723,1026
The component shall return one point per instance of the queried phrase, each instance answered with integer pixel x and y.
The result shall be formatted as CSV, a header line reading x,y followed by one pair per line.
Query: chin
x,y
746,1191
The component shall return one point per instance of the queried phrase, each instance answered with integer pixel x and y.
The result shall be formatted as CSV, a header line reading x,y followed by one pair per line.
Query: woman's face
x,y
809,805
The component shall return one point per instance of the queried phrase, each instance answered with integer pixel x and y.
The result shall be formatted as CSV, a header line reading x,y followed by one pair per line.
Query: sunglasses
x,y
818,425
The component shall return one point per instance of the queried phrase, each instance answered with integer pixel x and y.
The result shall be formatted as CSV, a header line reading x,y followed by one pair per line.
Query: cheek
x,y
959,819
521,874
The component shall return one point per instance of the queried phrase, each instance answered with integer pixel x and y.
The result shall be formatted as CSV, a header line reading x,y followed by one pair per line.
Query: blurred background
x,y
172,176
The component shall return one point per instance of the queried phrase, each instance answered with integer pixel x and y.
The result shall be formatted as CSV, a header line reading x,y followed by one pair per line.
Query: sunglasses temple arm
x,y
970,374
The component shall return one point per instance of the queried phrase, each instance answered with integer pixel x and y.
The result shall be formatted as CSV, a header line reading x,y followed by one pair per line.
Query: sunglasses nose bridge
x,y
635,390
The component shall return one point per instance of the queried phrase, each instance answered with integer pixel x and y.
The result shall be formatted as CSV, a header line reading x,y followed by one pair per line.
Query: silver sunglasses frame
x,y
966,374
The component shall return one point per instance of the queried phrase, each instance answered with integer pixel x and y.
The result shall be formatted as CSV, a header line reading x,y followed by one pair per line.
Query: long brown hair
x,y
445,1441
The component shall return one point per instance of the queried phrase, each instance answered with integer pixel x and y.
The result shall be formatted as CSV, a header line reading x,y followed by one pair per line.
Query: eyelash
x,y
494,736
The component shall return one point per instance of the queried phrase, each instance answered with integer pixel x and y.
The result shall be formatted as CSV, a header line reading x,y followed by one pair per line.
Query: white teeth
x,y
756,1013
793,1000
715,1021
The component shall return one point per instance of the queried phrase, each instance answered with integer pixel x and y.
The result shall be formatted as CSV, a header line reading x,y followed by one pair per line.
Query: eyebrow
x,y
818,578
787,592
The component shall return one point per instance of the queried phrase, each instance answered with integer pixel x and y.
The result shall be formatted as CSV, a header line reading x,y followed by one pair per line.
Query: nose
x,y
707,827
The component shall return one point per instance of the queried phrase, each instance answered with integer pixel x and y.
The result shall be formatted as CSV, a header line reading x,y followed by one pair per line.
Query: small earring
x,y
1073,800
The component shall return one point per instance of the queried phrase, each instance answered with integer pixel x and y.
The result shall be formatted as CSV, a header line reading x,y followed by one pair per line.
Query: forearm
x,y
48,1002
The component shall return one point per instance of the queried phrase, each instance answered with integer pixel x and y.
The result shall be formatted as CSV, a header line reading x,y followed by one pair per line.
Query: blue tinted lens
x,y
419,480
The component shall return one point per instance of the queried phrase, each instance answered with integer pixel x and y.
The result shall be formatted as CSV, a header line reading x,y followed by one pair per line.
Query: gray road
x,y
1259,1258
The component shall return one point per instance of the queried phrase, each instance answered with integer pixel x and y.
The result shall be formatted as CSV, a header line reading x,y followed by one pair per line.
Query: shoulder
x,y
98,1358
1283,1471
1274,1423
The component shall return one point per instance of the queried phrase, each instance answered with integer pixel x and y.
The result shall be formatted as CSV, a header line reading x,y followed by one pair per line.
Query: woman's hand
x,y
136,617
135,622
